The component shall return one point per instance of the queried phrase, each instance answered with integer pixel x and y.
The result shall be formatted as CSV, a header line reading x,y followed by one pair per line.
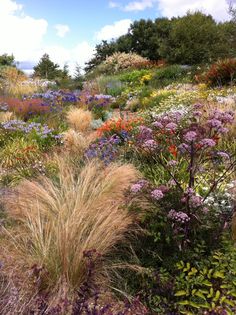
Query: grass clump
x,y
79,119
62,219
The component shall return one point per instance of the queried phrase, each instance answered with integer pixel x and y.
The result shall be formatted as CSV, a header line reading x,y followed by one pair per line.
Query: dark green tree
x,y
46,69
193,39
7,60
232,11
144,39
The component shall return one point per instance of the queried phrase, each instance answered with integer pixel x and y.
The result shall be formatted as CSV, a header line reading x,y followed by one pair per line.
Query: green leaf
x,y
231,303
218,274
217,296
183,302
193,304
200,294
180,293
211,293
207,283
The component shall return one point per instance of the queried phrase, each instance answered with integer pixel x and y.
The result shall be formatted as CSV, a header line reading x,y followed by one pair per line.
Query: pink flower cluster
x,y
178,216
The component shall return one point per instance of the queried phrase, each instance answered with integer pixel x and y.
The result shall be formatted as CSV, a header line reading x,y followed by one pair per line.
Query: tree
x,y
46,69
193,39
144,39
232,11
78,77
7,60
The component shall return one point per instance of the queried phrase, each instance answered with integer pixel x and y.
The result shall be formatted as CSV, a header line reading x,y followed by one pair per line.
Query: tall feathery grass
x,y
62,219
76,143
79,119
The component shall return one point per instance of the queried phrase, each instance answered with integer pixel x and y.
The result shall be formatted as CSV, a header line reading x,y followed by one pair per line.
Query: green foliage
x,y
47,69
167,75
209,284
7,60
192,39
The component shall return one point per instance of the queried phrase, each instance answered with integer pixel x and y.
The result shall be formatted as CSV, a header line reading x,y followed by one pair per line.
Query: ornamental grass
x,y
79,119
59,220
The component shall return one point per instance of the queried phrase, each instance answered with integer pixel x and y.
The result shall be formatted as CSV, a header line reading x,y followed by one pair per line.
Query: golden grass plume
x,y
79,119
60,220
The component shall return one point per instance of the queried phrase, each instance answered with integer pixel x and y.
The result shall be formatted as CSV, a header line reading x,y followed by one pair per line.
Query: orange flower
x,y
173,150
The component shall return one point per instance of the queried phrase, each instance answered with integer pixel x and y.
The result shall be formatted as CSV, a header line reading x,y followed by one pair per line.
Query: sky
x,y
69,30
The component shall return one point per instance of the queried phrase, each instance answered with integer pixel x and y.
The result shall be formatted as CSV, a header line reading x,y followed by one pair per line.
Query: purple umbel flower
x,y
178,216
150,145
190,136
208,142
157,194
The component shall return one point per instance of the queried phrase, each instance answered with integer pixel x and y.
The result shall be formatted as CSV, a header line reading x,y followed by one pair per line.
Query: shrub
x,y
79,119
167,75
25,107
61,220
220,73
122,61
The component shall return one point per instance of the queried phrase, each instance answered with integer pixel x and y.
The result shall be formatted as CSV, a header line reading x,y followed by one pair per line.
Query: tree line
x,y
195,38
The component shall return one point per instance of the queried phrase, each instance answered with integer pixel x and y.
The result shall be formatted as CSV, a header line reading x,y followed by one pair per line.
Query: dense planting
x,y
119,198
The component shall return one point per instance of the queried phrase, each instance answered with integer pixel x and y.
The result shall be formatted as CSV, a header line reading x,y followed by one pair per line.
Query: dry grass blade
x,y
61,220
79,119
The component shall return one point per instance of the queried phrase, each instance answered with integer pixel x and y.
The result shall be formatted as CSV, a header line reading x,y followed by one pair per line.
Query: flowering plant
x,y
119,126
185,148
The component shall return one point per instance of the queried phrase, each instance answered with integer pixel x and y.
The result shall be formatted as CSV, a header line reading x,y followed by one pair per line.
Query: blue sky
x,y
69,30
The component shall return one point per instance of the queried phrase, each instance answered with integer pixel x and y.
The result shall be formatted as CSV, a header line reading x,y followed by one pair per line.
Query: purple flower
x,y
145,132
135,188
190,136
171,183
157,194
228,117
208,142
223,130
172,163
171,126
183,147
189,192
195,201
158,124
223,155
178,216
138,186
150,145
214,123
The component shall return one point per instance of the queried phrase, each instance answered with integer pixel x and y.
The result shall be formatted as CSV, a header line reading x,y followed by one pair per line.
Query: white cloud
x,y
139,5
217,8
24,38
113,4
169,8
62,29
23,34
113,31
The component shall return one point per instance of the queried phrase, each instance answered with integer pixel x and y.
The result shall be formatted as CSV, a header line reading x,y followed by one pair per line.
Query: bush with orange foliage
x,y
222,72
